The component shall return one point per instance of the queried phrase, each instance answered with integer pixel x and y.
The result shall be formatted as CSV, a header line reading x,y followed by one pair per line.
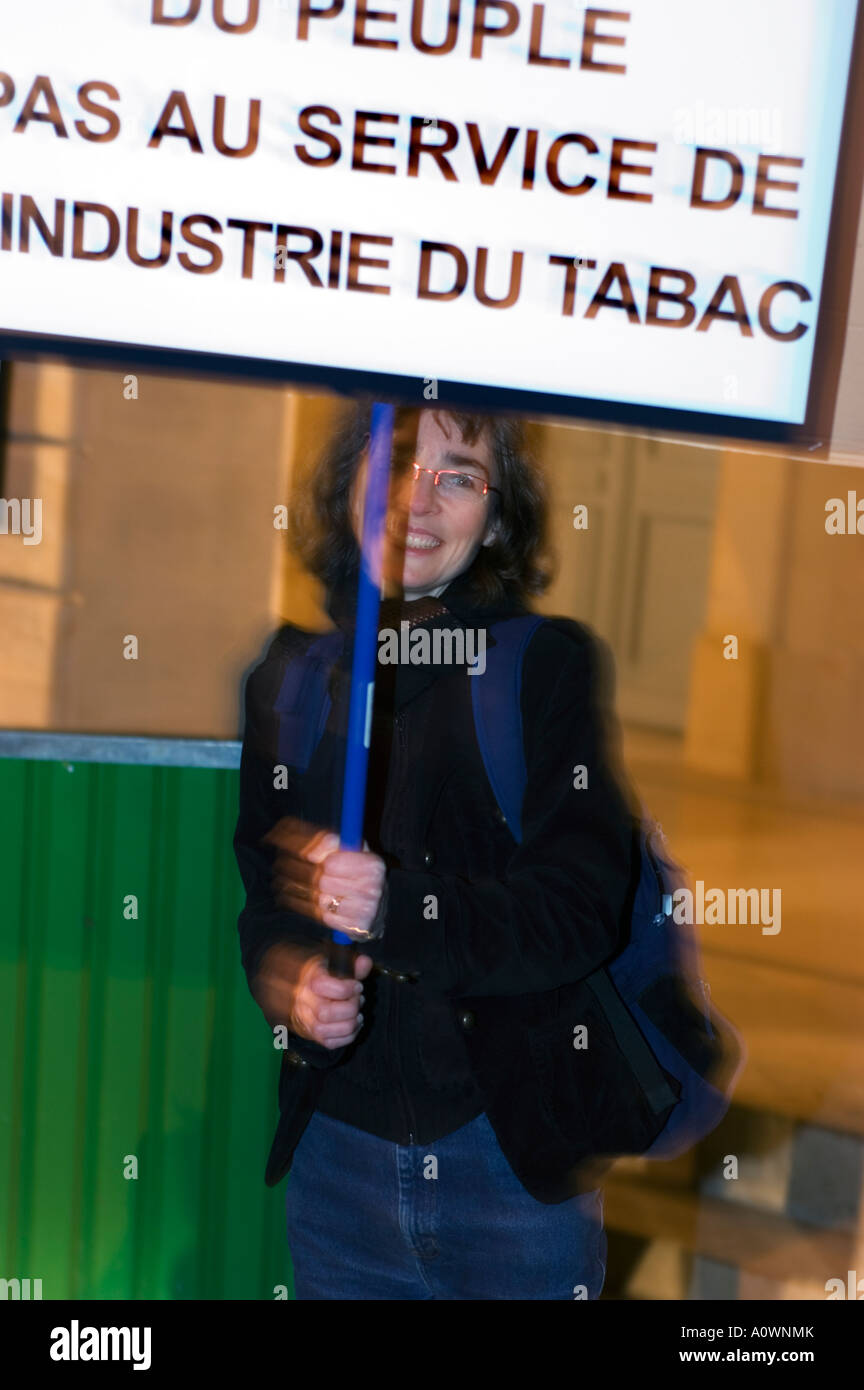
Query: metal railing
x,y
109,748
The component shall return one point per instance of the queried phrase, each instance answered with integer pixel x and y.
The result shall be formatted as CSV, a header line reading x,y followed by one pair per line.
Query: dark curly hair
x,y
515,564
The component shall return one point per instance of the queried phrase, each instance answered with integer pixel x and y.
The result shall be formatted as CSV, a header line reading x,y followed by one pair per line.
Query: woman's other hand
x,y
293,988
310,872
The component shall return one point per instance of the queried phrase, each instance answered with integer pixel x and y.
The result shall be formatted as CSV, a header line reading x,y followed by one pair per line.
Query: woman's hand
x,y
310,872
294,988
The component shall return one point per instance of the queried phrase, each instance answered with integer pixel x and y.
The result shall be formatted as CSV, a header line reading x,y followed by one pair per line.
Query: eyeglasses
x,y
455,485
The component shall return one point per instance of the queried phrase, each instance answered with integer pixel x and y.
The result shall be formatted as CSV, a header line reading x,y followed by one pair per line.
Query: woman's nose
x,y
424,495
418,489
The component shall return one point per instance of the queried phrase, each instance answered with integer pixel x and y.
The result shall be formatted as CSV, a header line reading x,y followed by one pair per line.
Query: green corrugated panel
x,y
130,1038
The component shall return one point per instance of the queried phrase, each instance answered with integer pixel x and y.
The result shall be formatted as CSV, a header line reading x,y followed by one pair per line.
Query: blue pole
x,y
365,655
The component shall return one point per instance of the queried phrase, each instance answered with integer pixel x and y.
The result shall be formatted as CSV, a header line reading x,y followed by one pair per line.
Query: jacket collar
x,y
462,606
456,606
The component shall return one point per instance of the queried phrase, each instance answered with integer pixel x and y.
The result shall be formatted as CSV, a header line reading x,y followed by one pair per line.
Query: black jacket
x,y
478,986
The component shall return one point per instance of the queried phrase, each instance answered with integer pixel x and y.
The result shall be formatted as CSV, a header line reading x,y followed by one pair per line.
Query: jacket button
x,y
466,1019
428,858
294,1059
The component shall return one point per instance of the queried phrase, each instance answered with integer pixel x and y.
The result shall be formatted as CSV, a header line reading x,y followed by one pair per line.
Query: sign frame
x,y
812,437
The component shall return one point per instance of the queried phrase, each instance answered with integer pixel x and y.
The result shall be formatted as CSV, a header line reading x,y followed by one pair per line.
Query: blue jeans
x,y
368,1219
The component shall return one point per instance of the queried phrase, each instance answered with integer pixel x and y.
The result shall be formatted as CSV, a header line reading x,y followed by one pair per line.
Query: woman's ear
x,y
491,534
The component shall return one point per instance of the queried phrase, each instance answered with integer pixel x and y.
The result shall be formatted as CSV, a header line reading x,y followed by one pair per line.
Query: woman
x,y
436,1110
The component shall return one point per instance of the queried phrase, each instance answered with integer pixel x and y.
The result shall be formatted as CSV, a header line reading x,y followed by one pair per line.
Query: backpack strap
x,y
496,698
303,702
646,1068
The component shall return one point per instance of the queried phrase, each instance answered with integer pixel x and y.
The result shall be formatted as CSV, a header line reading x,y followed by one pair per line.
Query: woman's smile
x,y
417,541
414,538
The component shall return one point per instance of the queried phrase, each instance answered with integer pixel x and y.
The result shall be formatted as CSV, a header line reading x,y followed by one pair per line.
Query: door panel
x,y
639,573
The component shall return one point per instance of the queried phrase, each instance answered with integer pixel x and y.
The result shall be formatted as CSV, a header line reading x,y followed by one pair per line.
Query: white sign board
x,y
627,206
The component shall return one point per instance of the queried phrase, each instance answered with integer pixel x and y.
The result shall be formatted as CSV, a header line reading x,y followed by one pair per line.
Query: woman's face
x,y
431,535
